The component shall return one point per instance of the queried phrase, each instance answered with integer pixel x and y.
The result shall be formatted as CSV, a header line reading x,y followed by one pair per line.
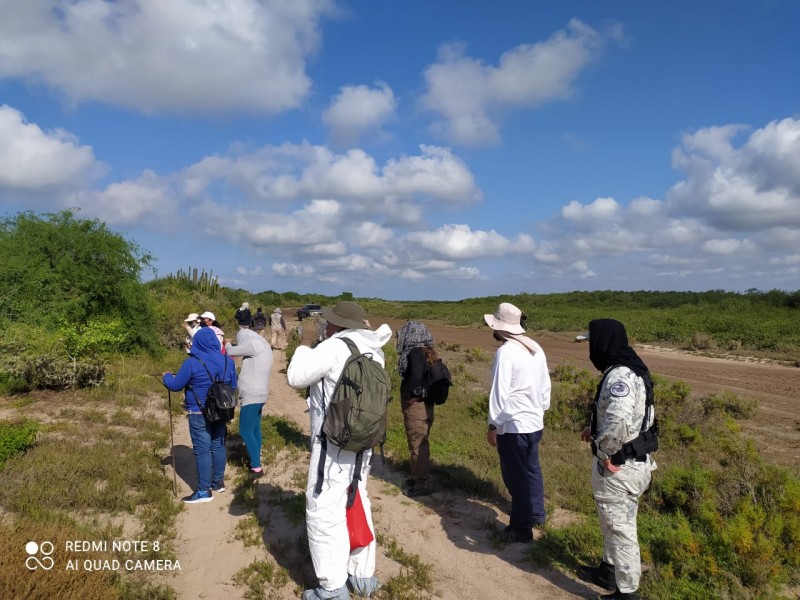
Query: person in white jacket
x,y
253,390
318,368
519,396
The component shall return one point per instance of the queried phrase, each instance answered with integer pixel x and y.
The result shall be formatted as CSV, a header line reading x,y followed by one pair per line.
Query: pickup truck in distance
x,y
309,310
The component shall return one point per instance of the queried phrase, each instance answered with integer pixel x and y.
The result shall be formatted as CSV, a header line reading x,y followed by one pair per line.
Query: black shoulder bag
x,y
222,397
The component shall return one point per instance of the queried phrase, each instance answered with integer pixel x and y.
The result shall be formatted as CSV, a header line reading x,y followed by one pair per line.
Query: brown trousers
x,y
418,419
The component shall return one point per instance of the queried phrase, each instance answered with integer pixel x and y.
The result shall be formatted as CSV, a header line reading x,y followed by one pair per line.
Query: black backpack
x,y
437,382
222,397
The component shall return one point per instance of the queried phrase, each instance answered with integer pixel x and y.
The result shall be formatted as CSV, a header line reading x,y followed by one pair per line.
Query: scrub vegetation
x,y
81,452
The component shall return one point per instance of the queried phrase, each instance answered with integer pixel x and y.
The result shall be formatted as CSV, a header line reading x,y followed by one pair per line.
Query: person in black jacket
x,y
243,316
415,353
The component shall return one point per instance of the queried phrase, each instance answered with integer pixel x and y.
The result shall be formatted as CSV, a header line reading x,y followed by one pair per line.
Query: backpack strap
x,y
214,379
321,464
351,491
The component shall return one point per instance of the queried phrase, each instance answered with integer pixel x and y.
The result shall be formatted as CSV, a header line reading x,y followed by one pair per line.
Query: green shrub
x,y
731,404
49,371
15,438
476,354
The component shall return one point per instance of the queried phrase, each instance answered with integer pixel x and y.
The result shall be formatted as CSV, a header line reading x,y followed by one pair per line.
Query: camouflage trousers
x,y
616,496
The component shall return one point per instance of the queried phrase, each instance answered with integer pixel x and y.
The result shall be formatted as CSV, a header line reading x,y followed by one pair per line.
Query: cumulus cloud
x,y
469,95
459,242
32,160
298,171
147,199
243,54
600,209
293,270
750,187
357,110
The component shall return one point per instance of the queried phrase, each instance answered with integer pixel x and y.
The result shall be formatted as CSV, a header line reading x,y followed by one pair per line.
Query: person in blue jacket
x,y
208,439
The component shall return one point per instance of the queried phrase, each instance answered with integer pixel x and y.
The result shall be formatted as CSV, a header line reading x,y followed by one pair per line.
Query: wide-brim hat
x,y
505,318
208,315
191,317
346,314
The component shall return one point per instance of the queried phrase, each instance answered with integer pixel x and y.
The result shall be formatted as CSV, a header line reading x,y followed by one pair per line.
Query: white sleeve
x,y
309,365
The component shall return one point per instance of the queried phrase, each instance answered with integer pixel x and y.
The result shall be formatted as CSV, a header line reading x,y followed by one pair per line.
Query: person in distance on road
x,y
277,326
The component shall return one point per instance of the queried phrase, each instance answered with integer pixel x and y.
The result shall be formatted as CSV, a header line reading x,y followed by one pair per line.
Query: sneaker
x,y
218,487
511,536
617,595
254,473
197,497
602,575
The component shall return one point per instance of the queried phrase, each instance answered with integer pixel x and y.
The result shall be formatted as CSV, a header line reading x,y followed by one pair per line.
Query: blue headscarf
x,y
206,347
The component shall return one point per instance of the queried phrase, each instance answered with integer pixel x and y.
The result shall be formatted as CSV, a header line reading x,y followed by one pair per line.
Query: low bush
x,y
15,438
476,354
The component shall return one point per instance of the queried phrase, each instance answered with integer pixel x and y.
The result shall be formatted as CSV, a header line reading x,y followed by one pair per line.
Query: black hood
x,y
608,346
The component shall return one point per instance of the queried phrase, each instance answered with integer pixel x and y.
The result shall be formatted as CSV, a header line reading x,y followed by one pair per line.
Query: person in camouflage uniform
x,y
618,478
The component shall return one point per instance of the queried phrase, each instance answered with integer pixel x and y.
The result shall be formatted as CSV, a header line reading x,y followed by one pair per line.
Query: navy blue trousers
x,y
519,464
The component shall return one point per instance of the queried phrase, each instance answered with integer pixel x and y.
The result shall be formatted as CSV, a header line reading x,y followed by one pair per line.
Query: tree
x,y
60,269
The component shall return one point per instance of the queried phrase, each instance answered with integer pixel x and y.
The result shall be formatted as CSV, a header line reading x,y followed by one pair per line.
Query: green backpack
x,y
356,416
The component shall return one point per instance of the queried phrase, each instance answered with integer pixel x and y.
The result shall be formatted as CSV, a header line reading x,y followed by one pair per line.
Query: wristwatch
x,y
492,427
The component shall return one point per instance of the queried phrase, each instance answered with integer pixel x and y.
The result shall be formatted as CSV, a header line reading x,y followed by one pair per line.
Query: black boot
x,y
602,575
617,595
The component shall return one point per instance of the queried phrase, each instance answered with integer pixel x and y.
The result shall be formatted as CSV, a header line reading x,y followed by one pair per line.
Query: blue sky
x,y
416,150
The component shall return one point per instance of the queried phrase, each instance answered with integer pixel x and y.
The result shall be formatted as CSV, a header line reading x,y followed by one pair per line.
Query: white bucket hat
x,y
505,318
208,315
191,317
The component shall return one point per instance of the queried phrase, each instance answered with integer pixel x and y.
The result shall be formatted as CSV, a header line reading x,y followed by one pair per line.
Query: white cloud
x,y
296,172
130,202
357,110
177,56
436,172
293,270
459,242
32,160
727,246
469,95
372,235
600,209
752,187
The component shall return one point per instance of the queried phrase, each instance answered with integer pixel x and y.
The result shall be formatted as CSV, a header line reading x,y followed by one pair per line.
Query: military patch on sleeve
x,y
619,389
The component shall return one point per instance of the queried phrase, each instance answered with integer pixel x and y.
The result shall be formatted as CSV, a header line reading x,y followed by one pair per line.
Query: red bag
x,y
357,526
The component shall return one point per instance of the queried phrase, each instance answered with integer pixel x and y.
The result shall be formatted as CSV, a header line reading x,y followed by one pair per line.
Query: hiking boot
x,y
416,492
198,497
511,536
617,595
602,575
